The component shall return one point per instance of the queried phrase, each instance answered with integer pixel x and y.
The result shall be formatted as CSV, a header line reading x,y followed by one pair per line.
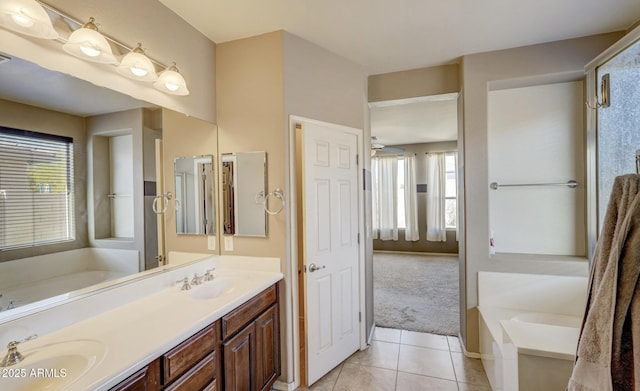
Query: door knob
x,y
313,267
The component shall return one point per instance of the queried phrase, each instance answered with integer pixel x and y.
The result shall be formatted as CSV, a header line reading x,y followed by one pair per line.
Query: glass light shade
x,y
26,17
171,82
136,65
87,43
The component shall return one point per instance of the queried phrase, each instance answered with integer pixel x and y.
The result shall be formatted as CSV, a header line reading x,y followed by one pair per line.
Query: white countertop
x,y
530,338
136,333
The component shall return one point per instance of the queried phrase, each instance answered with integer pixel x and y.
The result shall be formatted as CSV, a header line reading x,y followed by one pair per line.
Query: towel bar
x,y
571,184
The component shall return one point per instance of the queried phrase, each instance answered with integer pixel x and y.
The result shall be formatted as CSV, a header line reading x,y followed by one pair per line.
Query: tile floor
x,y
400,360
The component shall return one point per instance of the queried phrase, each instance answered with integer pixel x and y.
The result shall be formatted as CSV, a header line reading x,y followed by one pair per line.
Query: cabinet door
x,y
146,379
267,348
240,360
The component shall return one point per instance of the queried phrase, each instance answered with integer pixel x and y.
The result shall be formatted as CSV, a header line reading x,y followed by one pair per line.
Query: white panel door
x,y
331,247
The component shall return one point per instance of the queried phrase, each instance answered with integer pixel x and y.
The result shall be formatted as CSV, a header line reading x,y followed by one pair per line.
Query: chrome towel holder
x,y
262,198
570,184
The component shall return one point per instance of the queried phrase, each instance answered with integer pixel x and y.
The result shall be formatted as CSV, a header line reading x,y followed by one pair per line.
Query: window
x,y
36,189
450,191
401,207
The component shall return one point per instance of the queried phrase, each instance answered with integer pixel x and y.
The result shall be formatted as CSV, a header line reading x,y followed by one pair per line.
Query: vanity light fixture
x,y
171,81
87,43
27,17
31,17
136,65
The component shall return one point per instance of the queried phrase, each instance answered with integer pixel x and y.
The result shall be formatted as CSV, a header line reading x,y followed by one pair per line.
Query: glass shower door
x,y
618,125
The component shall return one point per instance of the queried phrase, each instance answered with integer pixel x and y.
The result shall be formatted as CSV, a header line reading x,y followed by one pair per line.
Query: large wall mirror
x,y
195,210
96,255
244,183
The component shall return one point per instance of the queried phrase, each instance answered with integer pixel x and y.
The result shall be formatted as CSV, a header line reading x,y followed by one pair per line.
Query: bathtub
x,y
528,337
53,276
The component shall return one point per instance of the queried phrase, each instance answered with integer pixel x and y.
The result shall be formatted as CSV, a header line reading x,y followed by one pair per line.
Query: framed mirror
x,y
244,183
194,198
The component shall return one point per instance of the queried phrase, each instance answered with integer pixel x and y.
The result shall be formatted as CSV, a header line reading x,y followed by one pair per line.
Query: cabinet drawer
x,y
201,375
185,355
239,317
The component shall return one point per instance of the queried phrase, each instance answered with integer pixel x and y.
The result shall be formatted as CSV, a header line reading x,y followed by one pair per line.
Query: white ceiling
x,y
393,35
415,121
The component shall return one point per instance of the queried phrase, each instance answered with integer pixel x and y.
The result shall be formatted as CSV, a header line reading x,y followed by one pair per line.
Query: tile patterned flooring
x,y
400,360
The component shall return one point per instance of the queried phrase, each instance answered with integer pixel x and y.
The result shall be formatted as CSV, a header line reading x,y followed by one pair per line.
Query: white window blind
x,y
36,189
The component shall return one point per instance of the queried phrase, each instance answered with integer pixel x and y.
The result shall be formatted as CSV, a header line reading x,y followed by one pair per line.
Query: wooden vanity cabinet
x,y
251,344
240,352
193,365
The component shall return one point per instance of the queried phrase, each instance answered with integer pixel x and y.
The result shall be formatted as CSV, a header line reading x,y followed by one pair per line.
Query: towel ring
x,y
277,193
166,197
262,198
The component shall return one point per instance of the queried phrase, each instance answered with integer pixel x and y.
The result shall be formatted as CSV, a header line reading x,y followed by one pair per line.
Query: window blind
x,y
36,189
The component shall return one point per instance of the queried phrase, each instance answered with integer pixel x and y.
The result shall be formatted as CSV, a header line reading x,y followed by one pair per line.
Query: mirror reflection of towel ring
x,y
166,197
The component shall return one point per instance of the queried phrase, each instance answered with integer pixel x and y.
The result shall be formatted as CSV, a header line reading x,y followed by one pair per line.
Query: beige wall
x,y
323,86
166,36
413,83
20,116
184,136
261,81
250,118
537,64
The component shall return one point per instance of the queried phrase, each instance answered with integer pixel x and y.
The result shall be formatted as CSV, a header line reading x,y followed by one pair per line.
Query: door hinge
x,y
358,237
360,317
357,159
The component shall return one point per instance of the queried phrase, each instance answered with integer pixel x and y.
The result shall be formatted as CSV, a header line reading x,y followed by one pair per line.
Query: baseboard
x,y
413,253
466,352
373,328
282,386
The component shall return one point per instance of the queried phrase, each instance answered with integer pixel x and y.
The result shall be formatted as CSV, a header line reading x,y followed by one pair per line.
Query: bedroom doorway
x,y
414,200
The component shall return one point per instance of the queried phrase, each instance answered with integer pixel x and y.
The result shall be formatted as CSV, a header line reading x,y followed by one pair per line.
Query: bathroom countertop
x,y
138,332
541,339
530,338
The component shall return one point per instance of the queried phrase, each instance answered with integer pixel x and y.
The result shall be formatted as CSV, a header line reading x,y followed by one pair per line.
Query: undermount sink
x,y
52,366
549,319
220,286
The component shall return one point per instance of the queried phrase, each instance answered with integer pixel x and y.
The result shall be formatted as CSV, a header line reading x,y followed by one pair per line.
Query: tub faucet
x,y
12,304
13,355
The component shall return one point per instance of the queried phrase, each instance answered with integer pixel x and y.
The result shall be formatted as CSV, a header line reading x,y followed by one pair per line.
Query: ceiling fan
x,y
376,146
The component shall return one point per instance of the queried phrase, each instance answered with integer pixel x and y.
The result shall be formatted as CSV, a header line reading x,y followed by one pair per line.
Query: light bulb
x,y
138,71
22,20
171,86
89,51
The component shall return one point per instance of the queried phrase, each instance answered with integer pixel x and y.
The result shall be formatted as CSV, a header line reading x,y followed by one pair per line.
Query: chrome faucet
x,y
13,355
185,284
208,276
196,280
12,304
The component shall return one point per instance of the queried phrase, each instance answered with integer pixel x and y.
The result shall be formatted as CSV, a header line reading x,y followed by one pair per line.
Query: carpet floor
x,y
416,293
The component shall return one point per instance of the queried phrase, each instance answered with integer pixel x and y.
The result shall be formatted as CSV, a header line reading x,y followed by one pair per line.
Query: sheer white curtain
x,y
410,200
384,178
436,177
